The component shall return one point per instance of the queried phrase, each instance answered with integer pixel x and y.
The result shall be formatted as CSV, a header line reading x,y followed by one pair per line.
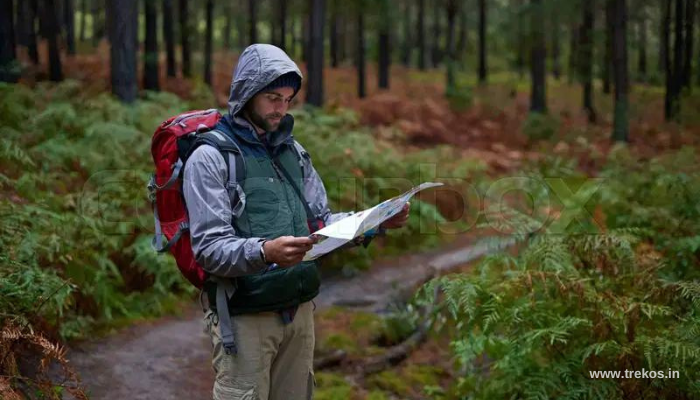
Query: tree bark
x,y
452,10
8,47
240,23
334,34
50,22
520,58
677,73
689,33
28,16
407,39
123,49
228,24
208,44
462,35
664,29
586,48
436,51
556,66
283,24
314,95
150,59
185,34
621,72
482,42
69,21
361,91
98,23
169,36
384,45
574,54
253,21
667,65
421,35
538,102
607,54
642,62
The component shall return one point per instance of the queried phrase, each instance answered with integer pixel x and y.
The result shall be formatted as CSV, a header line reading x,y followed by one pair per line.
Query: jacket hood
x,y
258,66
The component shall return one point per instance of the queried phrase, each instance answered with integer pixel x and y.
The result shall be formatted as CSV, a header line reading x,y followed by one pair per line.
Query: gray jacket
x,y
215,244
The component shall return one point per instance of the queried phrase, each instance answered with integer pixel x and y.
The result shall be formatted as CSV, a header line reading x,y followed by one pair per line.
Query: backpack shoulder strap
x,y
302,154
228,149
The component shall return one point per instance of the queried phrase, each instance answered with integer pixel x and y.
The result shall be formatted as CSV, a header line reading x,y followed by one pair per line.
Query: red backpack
x,y
172,143
170,146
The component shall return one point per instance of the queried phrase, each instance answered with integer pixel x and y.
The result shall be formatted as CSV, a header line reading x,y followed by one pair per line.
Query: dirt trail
x,y
170,358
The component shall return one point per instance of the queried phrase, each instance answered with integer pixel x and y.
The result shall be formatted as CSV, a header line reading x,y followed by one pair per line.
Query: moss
x,y
423,375
389,381
377,395
339,341
331,386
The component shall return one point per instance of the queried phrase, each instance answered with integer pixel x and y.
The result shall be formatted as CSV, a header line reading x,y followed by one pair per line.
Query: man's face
x,y
267,108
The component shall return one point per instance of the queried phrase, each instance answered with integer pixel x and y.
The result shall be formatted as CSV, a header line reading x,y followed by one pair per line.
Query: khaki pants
x,y
274,361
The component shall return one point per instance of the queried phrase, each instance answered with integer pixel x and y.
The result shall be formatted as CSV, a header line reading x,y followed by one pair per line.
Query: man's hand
x,y
287,251
399,220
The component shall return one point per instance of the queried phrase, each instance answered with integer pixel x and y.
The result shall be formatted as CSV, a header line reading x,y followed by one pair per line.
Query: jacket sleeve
x,y
214,242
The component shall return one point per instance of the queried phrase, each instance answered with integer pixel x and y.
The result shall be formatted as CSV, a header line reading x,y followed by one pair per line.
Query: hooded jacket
x,y
216,244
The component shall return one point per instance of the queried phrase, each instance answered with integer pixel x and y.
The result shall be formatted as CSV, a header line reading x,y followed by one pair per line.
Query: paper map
x,y
347,229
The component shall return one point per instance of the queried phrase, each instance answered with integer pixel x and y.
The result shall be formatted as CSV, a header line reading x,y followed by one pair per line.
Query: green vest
x,y
273,209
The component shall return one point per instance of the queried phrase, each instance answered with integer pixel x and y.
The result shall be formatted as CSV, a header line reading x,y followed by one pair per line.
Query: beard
x,y
269,122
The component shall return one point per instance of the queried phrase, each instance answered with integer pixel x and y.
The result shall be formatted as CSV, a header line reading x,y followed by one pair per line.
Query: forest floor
x,y
170,358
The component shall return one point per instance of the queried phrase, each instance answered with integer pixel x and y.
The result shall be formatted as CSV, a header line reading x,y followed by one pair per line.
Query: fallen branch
x,y
400,352
330,360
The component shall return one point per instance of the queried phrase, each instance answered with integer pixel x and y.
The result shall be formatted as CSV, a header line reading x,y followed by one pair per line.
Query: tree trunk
x,y
607,54
586,47
169,36
677,73
462,35
421,35
574,52
520,58
556,66
50,22
668,66
384,45
642,62
407,39
69,21
689,33
98,23
208,44
9,67
435,51
83,12
621,72
253,21
664,28
538,102
452,10
283,24
482,41
150,57
334,34
361,92
28,22
185,38
314,95
123,49
306,38
228,24
241,24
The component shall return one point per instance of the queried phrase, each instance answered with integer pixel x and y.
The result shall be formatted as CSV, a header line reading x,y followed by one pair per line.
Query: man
x,y
259,236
